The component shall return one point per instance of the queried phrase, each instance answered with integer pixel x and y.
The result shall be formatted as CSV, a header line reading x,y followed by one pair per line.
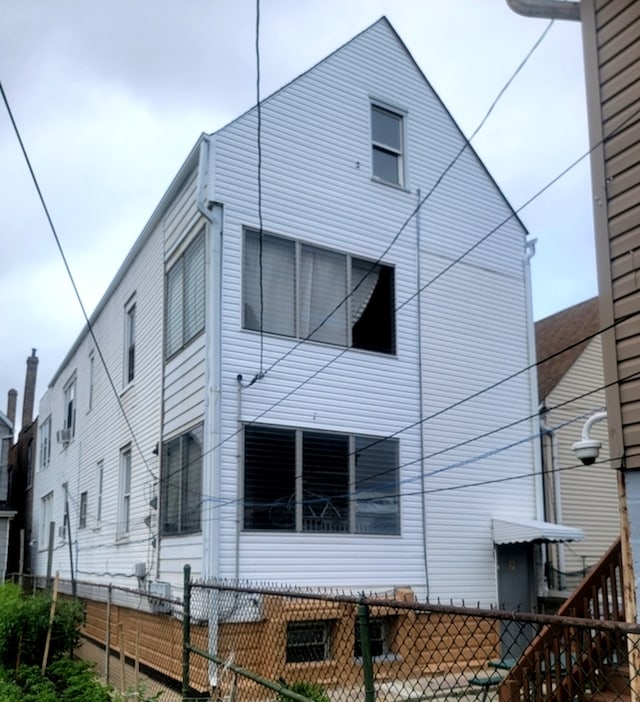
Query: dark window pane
x,y
386,128
377,500
386,166
325,477
269,478
308,641
372,307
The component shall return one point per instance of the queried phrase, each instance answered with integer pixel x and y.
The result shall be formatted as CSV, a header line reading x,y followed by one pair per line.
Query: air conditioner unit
x,y
63,436
160,604
62,532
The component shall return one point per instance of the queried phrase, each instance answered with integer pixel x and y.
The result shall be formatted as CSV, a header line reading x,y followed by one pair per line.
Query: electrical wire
x,y
73,282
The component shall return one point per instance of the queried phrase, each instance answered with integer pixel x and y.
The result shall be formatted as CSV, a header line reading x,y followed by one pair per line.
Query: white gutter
x,y
530,250
550,9
211,463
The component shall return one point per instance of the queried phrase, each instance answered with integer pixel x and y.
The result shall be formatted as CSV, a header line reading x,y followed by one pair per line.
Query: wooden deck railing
x,y
562,660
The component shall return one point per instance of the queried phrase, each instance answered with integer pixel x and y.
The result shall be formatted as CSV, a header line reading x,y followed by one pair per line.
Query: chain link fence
x,y
244,643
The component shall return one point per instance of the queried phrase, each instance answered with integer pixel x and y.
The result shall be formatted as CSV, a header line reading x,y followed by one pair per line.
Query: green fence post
x,y
365,646
186,631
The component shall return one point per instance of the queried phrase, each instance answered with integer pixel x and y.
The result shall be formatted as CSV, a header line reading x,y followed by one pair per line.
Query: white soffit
x,y
514,531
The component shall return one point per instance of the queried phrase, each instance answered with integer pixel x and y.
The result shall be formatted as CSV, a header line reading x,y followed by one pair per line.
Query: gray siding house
x,y
313,392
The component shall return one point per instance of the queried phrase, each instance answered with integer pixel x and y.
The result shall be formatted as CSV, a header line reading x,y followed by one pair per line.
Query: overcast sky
x,y
110,96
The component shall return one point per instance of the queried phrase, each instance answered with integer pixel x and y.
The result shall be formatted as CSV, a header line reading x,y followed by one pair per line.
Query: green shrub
x,y
23,627
313,691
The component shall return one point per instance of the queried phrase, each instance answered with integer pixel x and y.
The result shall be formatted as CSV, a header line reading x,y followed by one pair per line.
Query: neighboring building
x,y
353,442
21,471
6,513
571,388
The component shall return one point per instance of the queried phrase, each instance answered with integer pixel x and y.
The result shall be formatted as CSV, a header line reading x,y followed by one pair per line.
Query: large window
x,y
387,145
312,481
130,343
181,484
124,502
313,293
185,311
44,432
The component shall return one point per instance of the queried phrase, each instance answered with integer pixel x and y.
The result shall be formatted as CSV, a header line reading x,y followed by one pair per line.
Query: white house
x,y
571,389
339,445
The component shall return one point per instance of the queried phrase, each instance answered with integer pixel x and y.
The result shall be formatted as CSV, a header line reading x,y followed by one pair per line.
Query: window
x,y
185,292
46,517
181,483
312,481
92,371
308,641
130,343
82,512
70,408
386,138
45,443
379,635
124,504
100,482
305,290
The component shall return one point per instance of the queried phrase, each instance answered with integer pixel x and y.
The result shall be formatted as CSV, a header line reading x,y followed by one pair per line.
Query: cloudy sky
x,y
109,96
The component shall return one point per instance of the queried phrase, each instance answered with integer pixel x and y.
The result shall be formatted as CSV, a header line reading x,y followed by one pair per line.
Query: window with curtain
x,y
317,481
309,292
181,483
185,297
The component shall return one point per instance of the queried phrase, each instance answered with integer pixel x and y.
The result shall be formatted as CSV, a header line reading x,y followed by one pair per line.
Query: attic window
x,y
387,144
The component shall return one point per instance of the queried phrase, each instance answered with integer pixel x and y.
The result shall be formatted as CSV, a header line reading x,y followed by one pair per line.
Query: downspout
x,y
550,9
211,464
538,567
423,495
557,494
530,250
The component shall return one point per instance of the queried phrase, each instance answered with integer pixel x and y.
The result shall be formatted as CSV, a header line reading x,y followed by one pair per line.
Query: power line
x,y
73,282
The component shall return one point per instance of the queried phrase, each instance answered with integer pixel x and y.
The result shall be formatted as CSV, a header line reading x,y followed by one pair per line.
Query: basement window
x,y
308,641
379,636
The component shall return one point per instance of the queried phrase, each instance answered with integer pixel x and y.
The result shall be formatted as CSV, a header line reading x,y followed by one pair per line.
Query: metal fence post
x,y
365,646
186,631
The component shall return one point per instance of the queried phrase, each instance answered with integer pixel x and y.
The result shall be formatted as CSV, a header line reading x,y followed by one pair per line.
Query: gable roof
x,y
559,331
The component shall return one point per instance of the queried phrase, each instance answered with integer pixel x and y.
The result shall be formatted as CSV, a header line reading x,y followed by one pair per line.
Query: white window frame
x,y
46,517
382,147
185,296
336,322
83,510
92,378
100,491
70,406
130,321
124,501
374,508
44,431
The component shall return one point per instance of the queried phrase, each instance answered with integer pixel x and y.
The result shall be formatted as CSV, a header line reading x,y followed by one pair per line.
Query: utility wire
x,y
417,208
73,282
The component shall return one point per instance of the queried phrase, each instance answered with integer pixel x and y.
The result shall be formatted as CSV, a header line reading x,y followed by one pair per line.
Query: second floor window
x,y
70,409
82,512
185,296
313,293
124,504
130,344
44,433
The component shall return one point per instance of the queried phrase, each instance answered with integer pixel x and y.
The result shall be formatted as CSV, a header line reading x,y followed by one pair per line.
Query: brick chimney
x,y
29,389
12,401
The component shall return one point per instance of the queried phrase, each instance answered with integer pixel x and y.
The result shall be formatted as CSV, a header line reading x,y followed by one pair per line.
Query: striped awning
x,y
515,531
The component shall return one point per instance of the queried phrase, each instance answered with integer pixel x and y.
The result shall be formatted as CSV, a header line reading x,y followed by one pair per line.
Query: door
x,y
515,594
